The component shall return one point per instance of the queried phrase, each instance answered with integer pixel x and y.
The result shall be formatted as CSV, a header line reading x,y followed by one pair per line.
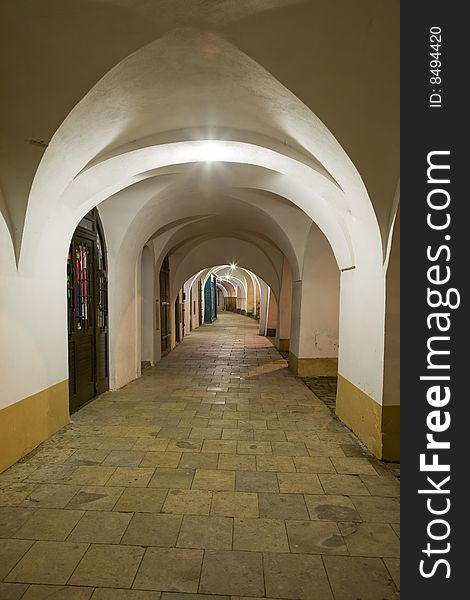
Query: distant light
x,y
209,151
233,266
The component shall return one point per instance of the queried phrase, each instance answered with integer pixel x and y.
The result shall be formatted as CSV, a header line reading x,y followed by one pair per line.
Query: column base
x,y
313,367
377,426
27,423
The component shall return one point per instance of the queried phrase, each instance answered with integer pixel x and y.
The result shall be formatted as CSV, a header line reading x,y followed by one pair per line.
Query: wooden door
x,y
201,317
87,313
177,319
165,327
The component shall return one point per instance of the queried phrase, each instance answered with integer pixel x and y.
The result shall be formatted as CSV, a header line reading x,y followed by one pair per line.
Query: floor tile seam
x,y
33,542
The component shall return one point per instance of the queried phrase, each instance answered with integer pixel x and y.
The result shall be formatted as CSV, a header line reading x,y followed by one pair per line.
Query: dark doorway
x,y
165,306
87,312
199,287
177,319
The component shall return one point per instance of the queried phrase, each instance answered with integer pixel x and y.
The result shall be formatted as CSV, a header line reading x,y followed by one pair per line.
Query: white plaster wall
x,y
285,305
265,293
271,322
315,317
33,331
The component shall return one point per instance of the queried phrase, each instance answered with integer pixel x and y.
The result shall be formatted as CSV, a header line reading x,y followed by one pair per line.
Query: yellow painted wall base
x,y
284,345
27,423
313,367
378,427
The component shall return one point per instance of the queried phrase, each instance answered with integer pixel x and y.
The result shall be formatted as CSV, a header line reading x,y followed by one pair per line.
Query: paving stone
x,y
235,504
220,446
289,449
169,569
284,464
131,476
217,479
296,577
12,518
282,506
353,450
91,475
376,509
141,500
353,466
12,591
370,539
50,455
108,566
205,433
210,533
198,461
315,537
393,567
343,485
96,498
48,562
114,594
174,432
184,445
314,464
11,552
151,444
268,435
232,573
176,596
117,443
358,577
326,507
324,449
246,447
87,456
17,473
237,462
299,483
257,481
124,458
149,529
260,535
188,502
237,434
49,524
15,494
59,592
161,459
50,496
172,478
100,527
381,486
51,474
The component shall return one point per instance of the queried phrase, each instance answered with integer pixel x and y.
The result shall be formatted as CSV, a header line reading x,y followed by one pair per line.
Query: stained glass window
x,y
70,311
101,284
82,286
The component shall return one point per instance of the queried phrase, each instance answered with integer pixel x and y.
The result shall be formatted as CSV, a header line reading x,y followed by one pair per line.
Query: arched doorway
x,y
87,312
147,325
165,307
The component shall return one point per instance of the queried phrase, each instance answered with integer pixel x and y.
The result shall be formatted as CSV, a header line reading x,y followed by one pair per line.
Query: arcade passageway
x,y
217,472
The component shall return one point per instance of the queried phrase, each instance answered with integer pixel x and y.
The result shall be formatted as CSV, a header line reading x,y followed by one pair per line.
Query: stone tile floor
x,y
324,388
217,474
